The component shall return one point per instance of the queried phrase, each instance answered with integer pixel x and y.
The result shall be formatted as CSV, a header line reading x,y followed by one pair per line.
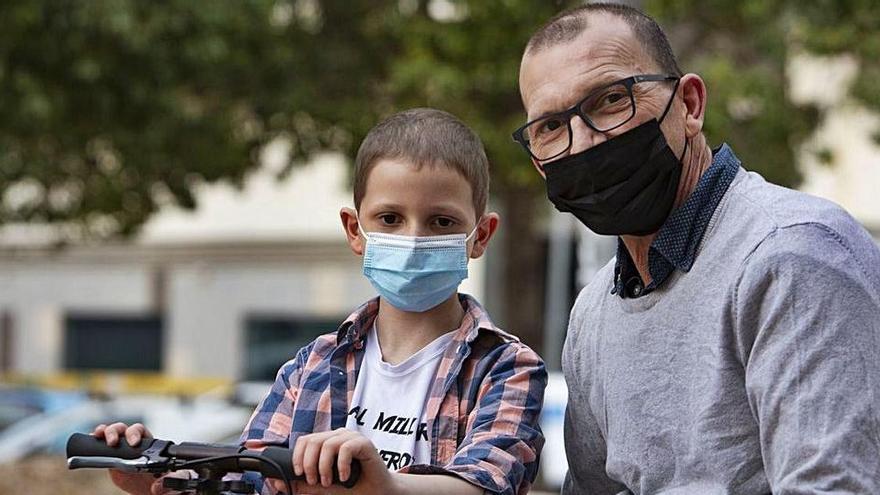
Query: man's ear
x,y
693,94
352,233
486,228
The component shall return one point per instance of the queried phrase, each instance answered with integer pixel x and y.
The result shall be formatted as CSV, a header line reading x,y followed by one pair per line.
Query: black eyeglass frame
x,y
565,115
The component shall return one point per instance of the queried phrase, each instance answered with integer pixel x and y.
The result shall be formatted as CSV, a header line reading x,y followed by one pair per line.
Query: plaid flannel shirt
x,y
483,408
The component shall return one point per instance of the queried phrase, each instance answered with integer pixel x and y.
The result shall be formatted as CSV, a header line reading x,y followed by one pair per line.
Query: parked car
x,y
207,419
553,462
18,403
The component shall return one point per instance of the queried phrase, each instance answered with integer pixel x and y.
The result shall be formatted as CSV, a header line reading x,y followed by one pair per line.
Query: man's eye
x,y
551,125
612,97
545,130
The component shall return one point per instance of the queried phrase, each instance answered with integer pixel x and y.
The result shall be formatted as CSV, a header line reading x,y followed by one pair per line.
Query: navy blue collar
x,y
675,246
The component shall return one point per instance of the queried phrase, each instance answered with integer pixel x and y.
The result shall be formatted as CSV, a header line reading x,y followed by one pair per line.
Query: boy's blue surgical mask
x,y
415,273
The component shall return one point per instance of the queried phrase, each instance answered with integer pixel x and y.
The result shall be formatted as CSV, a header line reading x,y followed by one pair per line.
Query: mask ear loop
x,y
666,110
669,104
360,229
466,239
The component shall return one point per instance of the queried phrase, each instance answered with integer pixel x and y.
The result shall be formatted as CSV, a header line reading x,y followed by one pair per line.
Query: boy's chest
x,y
390,411
324,402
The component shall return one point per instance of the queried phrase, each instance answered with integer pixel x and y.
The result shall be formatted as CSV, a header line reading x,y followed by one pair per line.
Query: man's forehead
x,y
606,50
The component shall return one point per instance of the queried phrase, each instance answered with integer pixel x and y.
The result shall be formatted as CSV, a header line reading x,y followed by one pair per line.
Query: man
x,y
733,344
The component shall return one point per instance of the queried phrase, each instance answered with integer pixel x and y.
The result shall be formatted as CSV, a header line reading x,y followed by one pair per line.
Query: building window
x,y
7,345
98,342
273,340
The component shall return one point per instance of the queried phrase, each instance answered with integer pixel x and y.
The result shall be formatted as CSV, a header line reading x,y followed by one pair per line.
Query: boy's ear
x,y
352,234
485,230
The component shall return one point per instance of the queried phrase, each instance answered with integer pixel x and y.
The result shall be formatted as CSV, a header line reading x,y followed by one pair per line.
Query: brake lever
x,y
139,465
151,460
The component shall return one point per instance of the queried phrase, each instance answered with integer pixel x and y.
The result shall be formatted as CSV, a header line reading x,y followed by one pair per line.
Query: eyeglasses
x,y
604,109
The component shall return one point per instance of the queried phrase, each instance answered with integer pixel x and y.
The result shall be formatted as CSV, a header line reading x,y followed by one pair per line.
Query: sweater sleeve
x,y
807,313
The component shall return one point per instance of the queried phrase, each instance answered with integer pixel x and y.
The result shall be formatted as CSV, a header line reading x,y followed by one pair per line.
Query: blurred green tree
x,y
109,106
743,48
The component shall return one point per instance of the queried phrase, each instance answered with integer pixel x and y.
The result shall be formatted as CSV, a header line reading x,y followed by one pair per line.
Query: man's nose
x,y
583,136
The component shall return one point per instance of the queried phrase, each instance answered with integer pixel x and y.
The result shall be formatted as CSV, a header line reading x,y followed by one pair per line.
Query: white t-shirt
x,y
389,401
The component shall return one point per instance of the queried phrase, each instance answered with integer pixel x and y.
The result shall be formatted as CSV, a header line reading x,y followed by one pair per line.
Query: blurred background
x,y
171,175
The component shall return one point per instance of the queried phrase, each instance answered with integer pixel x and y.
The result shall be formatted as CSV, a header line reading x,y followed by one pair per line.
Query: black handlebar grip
x,y
284,458
80,444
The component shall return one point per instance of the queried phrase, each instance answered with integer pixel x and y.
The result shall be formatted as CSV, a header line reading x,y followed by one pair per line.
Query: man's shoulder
x,y
755,211
773,224
816,253
761,204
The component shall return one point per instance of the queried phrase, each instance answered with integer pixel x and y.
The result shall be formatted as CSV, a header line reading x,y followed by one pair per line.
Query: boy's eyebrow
x,y
442,209
387,206
449,210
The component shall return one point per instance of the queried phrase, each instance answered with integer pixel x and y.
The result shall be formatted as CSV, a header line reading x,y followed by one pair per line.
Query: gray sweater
x,y
757,371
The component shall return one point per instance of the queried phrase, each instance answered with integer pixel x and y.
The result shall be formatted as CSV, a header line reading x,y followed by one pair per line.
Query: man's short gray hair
x,y
568,25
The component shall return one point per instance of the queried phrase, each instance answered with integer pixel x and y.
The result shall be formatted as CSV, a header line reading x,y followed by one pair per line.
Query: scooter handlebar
x,y
85,451
82,445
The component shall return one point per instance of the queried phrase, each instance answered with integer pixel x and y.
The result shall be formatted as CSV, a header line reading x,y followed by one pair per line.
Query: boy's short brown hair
x,y
425,136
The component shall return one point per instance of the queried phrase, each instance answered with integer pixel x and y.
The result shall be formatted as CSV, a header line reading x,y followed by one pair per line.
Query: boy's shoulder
x,y
485,336
347,331
323,345
503,343
312,356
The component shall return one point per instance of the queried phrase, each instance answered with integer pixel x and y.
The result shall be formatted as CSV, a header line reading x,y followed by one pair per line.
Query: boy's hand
x,y
315,454
134,483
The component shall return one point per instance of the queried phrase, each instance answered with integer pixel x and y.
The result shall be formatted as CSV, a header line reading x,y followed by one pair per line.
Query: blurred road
x,y
50,476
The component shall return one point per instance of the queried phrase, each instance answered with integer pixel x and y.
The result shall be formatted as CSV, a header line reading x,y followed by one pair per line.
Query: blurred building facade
x,y
229,291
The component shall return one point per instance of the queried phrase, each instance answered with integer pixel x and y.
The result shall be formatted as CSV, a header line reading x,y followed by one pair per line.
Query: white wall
x,y
853,178
303,206
208,305
38,294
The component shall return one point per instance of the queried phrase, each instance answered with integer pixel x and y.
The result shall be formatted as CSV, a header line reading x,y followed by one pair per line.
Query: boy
x,y
417,384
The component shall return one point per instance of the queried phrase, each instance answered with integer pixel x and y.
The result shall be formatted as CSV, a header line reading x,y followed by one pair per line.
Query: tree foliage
x,y
109,106
743,48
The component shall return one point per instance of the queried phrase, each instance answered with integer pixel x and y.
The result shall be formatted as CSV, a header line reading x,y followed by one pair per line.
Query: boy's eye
x,y
444,222
388,219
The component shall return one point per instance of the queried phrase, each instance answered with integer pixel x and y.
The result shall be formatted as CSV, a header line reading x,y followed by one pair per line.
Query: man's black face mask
x,y
623,186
